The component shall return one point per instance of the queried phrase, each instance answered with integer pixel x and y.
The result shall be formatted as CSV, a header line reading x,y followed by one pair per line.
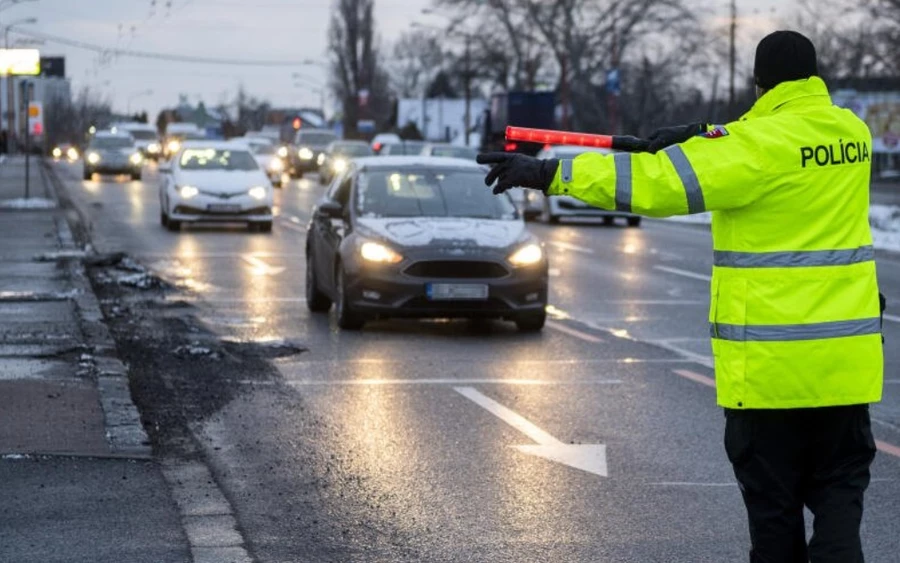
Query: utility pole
x,y
731,58
467,78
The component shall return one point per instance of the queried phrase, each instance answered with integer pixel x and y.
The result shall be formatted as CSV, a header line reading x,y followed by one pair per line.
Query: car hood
x,y
111,153
219,181
444,232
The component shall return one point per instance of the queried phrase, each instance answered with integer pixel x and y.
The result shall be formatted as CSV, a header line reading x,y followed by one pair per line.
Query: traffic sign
x,y
35,118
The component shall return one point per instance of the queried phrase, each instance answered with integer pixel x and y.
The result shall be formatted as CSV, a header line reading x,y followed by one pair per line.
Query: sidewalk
x,y
77,479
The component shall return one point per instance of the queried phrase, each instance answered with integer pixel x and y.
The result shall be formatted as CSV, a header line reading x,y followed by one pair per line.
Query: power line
x,y
150,55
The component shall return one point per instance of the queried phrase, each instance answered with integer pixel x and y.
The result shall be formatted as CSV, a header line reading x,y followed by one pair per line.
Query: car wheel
x,y
136,176
532,322
634,221
174,226
260,227
609,221
316,301
347,318
88,175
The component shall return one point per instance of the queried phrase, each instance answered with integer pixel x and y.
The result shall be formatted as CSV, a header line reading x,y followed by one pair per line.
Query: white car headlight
x,y
377,252
187,192
276,165
136,158
173,146
154,148
57,152
339,164
528,255
72,153
93,157
321,160
258,192
305,154
282,152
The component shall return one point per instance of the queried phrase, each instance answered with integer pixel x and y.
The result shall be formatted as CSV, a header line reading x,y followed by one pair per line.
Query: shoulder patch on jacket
x,y
715,133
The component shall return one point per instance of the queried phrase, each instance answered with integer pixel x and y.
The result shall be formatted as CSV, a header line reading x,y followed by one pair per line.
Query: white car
x,y
218,181
382,139
146,137
266,154
552,208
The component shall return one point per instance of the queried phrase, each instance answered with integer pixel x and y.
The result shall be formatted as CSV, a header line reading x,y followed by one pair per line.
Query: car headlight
x,y
187,192
257,192
339,164
173,147
154,148
93,158
136,158
283,152
72,153
321,160
57,152
276,165
377,252
528,255
305,154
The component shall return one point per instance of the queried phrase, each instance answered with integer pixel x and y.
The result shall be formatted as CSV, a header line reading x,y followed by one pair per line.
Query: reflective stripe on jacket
x,y
794,312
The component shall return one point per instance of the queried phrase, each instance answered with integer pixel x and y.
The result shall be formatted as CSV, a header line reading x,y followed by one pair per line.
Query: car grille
x,y
459,269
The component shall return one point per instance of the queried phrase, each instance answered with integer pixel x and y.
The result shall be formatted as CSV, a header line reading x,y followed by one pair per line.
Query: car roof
x,y
213,144
134,126
416,161
111,135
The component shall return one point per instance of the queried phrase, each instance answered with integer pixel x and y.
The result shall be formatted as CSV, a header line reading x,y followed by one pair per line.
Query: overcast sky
x,y
233,29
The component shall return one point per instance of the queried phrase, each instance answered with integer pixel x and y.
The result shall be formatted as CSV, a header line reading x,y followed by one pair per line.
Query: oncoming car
x,y
265,153
112,153
446,149
337,156
215,181
422,237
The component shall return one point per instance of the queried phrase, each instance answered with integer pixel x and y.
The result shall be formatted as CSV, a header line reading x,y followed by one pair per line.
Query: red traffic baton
x,y
551,137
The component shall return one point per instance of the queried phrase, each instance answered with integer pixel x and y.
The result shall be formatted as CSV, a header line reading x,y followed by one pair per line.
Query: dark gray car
x,y
112,153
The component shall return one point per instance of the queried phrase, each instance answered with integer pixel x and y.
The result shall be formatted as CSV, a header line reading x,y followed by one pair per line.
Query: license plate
x,y
223,208
456,291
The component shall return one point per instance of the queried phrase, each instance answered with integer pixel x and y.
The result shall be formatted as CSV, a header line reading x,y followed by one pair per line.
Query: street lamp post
x,y
10,89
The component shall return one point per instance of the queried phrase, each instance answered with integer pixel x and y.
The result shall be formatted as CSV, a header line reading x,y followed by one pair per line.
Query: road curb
x,y
124,432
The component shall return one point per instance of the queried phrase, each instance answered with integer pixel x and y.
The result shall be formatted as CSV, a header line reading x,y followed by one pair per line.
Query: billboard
x,y
880,111
53,66
20,62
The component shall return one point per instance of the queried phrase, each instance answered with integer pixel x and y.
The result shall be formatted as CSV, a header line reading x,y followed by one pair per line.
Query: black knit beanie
x,y
784,56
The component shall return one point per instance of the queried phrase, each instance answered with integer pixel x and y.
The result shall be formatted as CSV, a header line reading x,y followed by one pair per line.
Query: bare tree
x,y
68,120
885,20
357,78
415,57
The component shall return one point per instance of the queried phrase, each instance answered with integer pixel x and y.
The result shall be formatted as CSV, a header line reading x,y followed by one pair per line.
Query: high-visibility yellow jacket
x,y
794,312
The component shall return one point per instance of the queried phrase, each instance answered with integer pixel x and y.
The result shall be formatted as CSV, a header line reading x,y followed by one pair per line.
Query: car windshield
x,y
318,138
403,148
143,135
112,143
455,152
429,193
353,149
262,149
217,159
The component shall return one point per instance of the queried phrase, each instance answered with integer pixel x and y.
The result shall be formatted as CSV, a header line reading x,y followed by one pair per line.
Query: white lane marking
x,y
295,219
586,457
657,302
260,268
291,227
554,272
378,361
702,379
684,273
892,318
570,246
892,381
573,332
197,255
444,381
705,361
691,484
245,299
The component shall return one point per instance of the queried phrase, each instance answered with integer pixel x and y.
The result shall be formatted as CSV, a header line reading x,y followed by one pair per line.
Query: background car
x,y
446,149
65,150
381,139
402,148
554,207
216,181
308,145
265,153
337,156
422,237
112,153
176,134
146,137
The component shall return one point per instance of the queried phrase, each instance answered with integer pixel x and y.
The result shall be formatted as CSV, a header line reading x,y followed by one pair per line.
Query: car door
x,y
331,231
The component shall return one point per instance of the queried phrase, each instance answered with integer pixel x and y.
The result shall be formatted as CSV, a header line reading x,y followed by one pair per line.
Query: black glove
x,y
513,170
662,138
628,143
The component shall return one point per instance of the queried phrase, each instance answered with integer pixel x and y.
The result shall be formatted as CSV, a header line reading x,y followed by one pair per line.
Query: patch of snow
x,y
194,350
30,203
14,456
62,254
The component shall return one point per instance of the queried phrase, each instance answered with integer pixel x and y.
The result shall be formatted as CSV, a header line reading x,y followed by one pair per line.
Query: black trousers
x,y
787,459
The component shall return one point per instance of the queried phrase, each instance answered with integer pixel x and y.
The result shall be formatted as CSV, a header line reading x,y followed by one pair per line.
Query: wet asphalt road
x,y
423,419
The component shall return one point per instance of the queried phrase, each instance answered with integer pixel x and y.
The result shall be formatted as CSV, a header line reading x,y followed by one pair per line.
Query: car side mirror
x,y
165,168
331,209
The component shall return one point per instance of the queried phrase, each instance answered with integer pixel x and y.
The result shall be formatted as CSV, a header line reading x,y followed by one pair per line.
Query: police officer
x,y
795,314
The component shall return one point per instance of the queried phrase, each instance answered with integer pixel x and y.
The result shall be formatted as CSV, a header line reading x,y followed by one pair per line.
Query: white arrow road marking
x,y
573,332
587,457
684,273
260,268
